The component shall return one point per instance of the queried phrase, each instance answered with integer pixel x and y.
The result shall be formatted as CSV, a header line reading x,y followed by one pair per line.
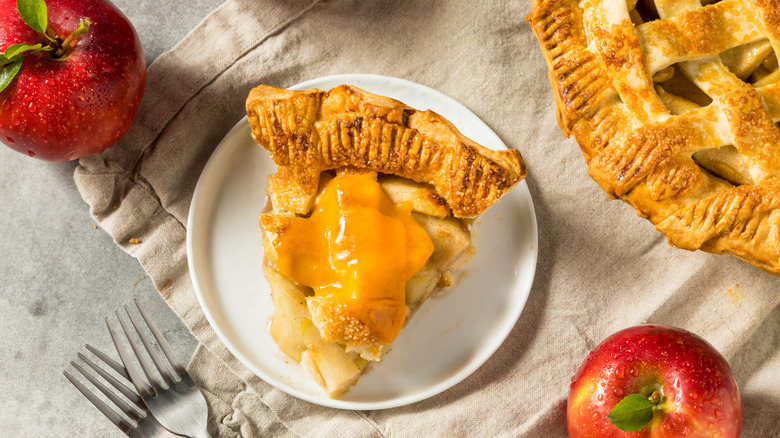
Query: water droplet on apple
x,y
10,140
32,79
618,392
634,372
600,397
694,395
32,107
30,153
6,104
16,121
595,416
28,97
620,370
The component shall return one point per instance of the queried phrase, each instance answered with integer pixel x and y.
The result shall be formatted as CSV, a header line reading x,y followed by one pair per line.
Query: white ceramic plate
x,y
445,341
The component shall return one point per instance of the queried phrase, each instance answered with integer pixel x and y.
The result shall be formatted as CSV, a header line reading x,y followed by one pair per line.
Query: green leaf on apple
x,y
632,413
8,72
17,49
33,13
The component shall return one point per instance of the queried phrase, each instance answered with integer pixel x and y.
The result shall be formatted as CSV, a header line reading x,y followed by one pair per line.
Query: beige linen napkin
x,y
600,267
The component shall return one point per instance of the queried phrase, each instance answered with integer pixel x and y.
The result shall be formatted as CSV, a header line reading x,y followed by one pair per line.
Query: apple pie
x,y
369,212
674,105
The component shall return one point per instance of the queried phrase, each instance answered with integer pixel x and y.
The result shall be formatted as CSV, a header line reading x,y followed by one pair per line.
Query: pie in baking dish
x,y
370,211
674,105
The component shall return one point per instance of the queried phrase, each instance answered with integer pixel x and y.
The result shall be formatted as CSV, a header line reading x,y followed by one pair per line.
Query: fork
x,y
146,426
177,403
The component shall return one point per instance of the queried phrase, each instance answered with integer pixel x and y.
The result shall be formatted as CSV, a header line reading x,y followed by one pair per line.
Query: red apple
x,y
678,381
60,108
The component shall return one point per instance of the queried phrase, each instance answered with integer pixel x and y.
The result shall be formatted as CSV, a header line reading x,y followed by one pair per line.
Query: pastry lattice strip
x,y
686,31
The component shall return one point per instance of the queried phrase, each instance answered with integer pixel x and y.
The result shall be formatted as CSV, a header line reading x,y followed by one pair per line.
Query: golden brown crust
x,y
602,69
337,324
276,222
312,131
724,211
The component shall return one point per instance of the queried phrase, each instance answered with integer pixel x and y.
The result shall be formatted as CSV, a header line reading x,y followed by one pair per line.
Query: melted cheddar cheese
x,y
357,248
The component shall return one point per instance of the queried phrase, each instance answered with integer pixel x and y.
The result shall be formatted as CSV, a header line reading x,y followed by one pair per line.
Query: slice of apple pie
x,y
370,211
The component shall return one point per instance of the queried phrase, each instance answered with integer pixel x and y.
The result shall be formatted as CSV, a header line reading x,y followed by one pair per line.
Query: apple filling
x,y
356,251
345,278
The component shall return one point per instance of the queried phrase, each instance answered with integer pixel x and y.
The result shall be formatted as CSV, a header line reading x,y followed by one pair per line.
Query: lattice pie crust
x,y
674,105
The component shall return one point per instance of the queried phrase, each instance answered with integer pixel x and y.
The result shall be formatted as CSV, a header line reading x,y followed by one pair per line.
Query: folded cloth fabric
x,y
600,267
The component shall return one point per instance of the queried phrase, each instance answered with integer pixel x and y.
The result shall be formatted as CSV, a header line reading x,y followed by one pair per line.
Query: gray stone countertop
x,y
62,276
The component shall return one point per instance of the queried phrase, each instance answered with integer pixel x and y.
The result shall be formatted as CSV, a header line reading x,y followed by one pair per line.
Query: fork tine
x,y
102,407
127,392
121,404
108,361
142,360
161,367
144,390
178,366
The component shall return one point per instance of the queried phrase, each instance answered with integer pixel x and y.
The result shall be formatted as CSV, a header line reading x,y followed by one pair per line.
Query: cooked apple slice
x,y
423,197
743,60
419,287
360,362
675,104
450,237
269,251
725,162
289,312
308,365
338,370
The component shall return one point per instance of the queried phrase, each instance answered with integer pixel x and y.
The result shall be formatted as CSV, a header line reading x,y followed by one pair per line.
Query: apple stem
x,y
655,397
82,28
